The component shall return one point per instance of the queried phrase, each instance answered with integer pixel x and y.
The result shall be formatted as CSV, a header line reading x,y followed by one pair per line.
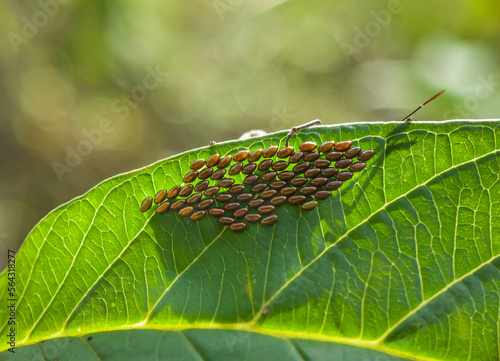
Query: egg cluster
x,y
272,177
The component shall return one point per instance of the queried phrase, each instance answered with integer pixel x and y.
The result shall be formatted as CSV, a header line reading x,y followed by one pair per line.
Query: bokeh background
x,y
90,89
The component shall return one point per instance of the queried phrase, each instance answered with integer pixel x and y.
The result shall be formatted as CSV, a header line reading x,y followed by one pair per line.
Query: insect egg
x,y
321,163
187,190
342,146
224,197
197,164
211,191
285,176
205,173
296,199
309,206
311,157
265,165
235,169
216,212
224,162
240,213
253,218
366,155
241,156
299,181
343,163
320,195
288,191
326,147
343,176
270,220
251,179
238,227
300,168
226,221
174,192
231,206
160,196
226,182
306,191
358,166
269,176
331,186
163,208
329,172
249,168
196,216
204,204
256,203
237,188
146,204
307,146
277,184
213,160
319,181
201,186
352,152
218,174
186,211
190,177
333,156
255,156
244,197
195,198
268,194
259,187
296,157
311,173
278,201
270,152
178,204
280,165
285,152
266,209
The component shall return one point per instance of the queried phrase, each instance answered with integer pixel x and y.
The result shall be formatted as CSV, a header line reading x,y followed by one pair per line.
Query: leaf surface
x,y
402,263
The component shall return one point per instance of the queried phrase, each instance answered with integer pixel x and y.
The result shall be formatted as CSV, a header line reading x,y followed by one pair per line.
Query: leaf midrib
x,y
282,334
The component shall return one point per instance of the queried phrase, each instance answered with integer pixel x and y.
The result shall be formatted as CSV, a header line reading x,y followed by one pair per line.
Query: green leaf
x,y
402,263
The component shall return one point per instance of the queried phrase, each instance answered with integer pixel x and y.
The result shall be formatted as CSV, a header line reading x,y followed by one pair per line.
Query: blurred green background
x,y
90,89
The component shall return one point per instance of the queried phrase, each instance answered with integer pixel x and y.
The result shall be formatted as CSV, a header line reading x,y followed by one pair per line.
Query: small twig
x,y
409,116
299,127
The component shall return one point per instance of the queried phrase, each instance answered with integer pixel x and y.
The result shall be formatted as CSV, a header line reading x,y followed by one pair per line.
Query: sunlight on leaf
x,y
401,263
